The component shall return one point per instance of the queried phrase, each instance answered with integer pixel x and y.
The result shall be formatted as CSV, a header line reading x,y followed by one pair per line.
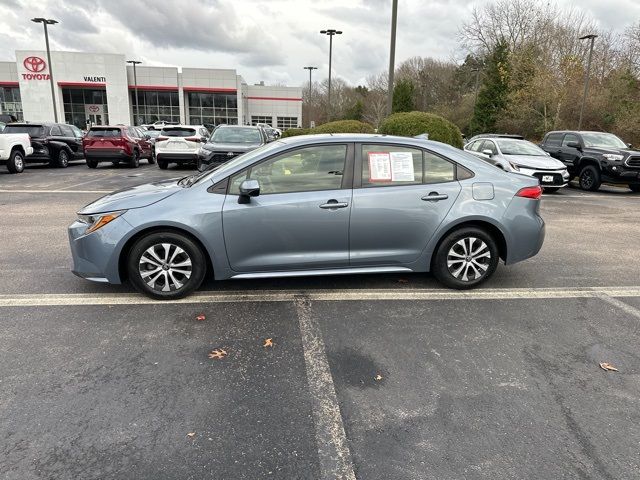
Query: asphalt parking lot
x,y
369,377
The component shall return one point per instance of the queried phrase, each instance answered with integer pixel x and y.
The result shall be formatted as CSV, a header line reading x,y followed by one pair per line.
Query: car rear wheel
x,y
92,163
166,265
15,164
63,159
163,164
466,258
634,188
152,158
589,178
135,159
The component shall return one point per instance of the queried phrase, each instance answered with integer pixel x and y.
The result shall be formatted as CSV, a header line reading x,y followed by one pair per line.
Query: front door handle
x,y
435,196
331,204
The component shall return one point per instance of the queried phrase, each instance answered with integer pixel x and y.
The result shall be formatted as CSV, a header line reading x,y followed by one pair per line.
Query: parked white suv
x,y
14,147
180,144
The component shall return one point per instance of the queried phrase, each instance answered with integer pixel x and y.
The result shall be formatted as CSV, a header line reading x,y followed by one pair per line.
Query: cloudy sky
x,y
268,41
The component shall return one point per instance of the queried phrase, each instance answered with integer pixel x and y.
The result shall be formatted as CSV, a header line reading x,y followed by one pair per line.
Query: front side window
x,y
569,137
306,169
489,145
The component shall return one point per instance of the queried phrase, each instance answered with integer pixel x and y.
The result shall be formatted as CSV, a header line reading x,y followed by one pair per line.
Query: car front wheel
x,y
166,265
465,258
589,178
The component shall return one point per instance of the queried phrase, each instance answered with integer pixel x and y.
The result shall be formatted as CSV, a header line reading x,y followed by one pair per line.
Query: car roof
x,y
249,127
496,135
183,126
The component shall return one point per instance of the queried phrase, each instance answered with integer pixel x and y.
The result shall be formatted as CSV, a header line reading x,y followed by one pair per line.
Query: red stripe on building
x,y
81,84
276,98
153,87
8,84
209,89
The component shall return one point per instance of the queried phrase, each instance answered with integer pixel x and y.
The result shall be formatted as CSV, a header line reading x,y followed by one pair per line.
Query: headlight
x,y
99,220
613,156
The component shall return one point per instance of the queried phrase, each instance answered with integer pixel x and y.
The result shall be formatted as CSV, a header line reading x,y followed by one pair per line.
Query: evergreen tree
x,y
403,93
493,96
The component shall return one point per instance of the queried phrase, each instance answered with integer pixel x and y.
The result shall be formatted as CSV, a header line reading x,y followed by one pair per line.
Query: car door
x,y
300,219
74,143
401,195
145,144
553,145
570,155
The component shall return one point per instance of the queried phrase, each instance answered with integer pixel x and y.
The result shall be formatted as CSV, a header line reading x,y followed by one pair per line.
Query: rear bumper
x,y
526,229
177,157
106,154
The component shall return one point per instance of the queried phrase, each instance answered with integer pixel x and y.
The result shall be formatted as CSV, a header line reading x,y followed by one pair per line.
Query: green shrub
x,y
344,126
410,124
294,132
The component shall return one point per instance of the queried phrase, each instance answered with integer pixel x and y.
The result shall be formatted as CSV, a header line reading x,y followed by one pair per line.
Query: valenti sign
x,y
35,67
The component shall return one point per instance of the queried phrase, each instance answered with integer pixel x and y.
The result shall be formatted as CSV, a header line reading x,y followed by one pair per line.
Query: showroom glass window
x,y
155,105
285,123
75,101
305,169
212,108
10,102
256,119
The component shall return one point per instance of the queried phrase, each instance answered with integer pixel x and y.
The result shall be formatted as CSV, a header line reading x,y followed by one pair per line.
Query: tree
x,y
403,96
493,96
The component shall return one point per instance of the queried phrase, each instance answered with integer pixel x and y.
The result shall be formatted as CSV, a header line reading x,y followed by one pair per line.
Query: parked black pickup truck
x,y
595,157
53,143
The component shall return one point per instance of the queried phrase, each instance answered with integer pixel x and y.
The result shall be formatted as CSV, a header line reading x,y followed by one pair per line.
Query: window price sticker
x,y
402,167
379,167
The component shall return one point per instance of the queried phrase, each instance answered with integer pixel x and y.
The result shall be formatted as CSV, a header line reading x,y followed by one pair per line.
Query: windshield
x,y
32,130
179,132
231,164
236,135
607,140
519,147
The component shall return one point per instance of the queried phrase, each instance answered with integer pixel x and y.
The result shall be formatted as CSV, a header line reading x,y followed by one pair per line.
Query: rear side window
x,y
55,130
390,165
179,132
104,132
553,140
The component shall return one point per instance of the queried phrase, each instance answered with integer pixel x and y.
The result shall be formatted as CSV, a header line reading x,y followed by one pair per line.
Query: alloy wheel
x,y
587,179
19,162
468,259
63,158
165,267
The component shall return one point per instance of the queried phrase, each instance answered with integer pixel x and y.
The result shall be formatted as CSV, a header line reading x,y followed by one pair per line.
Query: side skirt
x,y
315,273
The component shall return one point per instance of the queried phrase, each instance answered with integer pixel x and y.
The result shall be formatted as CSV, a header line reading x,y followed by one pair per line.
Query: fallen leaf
x,y
191,434
201,317
403,280
218,353
378,377
608,367
268,342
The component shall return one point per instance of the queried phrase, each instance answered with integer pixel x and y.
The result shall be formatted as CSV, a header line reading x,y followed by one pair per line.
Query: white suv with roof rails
x,y
180,144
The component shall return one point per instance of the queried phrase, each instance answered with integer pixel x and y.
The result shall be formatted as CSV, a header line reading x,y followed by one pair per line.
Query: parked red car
x,y
116,144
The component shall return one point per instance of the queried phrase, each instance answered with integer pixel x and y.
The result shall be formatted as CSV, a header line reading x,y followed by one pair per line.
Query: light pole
x,y
45,22
475,97
330,32
135,89
591,37
392,55
311,69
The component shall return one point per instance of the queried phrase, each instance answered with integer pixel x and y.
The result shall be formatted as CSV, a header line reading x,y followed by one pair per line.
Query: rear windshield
x,y
32,130
104,132
236,135
178,132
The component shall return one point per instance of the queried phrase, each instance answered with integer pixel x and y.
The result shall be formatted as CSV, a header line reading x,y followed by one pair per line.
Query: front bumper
x,y
548,178
95,256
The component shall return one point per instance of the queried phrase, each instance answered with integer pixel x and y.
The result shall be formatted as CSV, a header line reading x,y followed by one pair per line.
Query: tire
x,y
162,164
589,178
63,159
551,189
152,158
92,163
135,159
634,188
115,163
177,283
15,164
452,250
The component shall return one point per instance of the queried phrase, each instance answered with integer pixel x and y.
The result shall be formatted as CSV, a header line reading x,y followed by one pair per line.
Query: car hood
x,y
133,197
231,147
621,151
535,161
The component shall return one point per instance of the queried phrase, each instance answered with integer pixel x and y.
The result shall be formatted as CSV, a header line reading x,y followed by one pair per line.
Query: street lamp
x,y
135,90
591,37
330,32
311,69
45,22
392,54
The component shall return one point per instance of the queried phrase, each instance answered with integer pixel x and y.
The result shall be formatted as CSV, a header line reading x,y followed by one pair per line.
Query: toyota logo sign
x,y
94,108
34,64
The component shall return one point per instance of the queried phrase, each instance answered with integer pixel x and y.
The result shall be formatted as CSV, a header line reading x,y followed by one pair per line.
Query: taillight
x,y
530,192
194,139
161,139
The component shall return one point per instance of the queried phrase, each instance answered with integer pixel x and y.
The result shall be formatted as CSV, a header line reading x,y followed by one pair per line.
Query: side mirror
x,y
574,145
488,152
629,145
248,189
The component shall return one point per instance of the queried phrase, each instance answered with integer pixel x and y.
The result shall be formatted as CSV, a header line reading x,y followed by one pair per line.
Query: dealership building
x,y
100,88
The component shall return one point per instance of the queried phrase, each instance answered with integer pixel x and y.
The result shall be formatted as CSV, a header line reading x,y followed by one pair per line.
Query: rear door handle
x,y
331,204
435,196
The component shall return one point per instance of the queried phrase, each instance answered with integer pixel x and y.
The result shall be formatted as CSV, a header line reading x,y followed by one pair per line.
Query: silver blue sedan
x,y
314,205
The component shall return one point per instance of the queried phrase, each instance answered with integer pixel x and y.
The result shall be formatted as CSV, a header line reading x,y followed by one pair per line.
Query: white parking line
x,y
333,451
621,305
35,190
39,300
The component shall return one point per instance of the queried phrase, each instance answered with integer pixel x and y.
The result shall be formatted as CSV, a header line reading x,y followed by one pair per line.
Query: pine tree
x,y
493,96
403,96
